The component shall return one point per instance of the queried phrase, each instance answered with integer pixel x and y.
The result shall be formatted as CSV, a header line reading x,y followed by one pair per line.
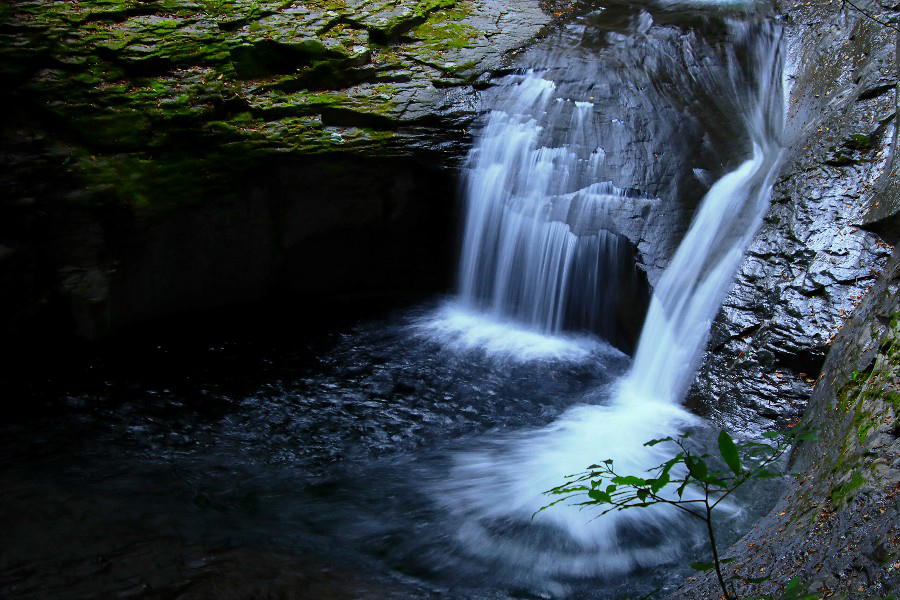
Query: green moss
x,y
122,128
863,430
387,29
146,184
165,102
894,399
859,142
841,160
444,30
845,491
868,401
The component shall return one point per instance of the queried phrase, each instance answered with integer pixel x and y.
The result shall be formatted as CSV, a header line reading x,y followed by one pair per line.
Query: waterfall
x,y
691,289
535,247
537,244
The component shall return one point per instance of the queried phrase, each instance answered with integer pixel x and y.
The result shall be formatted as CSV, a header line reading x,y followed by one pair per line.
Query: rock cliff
x,y
828,232
172,155
815,311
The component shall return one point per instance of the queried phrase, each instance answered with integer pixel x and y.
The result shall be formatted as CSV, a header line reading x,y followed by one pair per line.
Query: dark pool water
x,y
307,449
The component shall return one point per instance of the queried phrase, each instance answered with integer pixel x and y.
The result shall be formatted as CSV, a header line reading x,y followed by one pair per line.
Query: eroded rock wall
x,y
174,155
816,254
815,311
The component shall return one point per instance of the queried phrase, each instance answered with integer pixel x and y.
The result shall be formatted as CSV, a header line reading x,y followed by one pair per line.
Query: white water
x,y
536,249
461,329
519,262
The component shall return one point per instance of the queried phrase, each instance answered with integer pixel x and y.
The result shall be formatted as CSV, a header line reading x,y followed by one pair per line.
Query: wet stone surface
x,y
146,92
813,260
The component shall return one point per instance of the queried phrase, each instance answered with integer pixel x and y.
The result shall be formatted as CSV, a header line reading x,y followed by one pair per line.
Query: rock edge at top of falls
x,y
166,156
161,103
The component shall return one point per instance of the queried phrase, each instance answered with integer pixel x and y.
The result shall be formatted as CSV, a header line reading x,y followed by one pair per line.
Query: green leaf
x,y
600,496
642,494
808,436
716,481
696,467
729,452
773,434
629,480
659,441
543,508
702,566
659,483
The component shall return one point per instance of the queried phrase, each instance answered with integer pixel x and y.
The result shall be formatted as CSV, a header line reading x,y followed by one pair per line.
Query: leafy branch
x,y
601,485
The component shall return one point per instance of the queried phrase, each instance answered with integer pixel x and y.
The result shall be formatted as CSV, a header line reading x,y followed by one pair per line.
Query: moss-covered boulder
x,y
128,119
157,103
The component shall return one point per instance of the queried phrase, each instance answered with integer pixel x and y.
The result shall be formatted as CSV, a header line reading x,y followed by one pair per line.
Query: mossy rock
x,y
269,57
387,26
144,86
843,492
841,160
860,142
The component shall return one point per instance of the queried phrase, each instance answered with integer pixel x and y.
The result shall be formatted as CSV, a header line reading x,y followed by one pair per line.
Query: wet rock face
x,y
836,528
240,80
160,136
821,279
815,256
308,227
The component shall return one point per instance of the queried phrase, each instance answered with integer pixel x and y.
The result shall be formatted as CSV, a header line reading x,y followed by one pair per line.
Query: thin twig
x,y
715,551
869,15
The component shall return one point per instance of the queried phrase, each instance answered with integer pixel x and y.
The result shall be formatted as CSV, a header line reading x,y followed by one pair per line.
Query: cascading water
x,y
691,288
535,246
379,454
534,215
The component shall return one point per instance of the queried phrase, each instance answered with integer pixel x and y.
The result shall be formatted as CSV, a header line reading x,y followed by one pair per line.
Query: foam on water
x,y
459,328
503,483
